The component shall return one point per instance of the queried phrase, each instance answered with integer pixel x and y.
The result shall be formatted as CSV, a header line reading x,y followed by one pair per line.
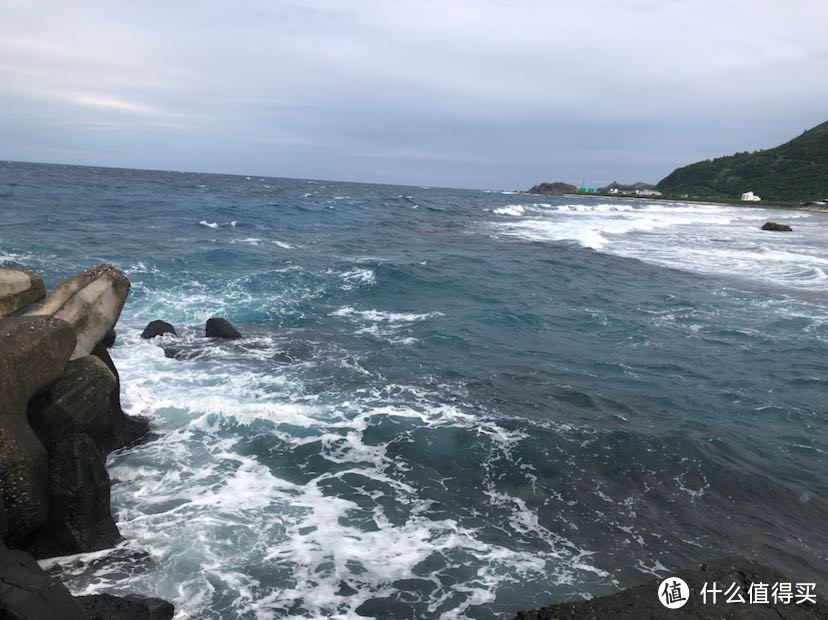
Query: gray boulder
x,y
79,401
79,489
157,328
27,593
18,289
90,302
221,328
33,353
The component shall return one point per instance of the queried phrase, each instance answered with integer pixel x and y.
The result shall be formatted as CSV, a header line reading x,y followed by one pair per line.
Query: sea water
x,y
447,403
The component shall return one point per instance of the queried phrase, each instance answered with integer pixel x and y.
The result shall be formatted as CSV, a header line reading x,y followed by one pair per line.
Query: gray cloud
x,y
482,93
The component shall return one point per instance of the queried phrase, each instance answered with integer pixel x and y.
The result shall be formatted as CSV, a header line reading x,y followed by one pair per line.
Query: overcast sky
x,y
464,93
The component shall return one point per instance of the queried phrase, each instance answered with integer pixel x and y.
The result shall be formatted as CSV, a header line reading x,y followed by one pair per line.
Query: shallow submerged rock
x,y
221,328
183,352
776,227
157,328
642,602
18,289
108,607
90,302
33,353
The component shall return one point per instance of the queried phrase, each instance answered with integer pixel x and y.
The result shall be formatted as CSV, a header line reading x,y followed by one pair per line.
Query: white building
x,y
750,197
647,192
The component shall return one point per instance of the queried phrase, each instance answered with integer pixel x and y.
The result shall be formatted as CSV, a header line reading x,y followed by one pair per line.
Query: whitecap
x,y
514,210
381,316
357,277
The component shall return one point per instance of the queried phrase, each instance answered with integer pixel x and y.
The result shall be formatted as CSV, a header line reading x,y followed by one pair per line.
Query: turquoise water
x,y
448,403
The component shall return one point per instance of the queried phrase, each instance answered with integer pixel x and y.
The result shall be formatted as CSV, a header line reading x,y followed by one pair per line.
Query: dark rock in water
x,y
79,515
109,339
33,353
221,328
27,593
556,189
776,227
157,328
108,607
79,401
643,601
126,429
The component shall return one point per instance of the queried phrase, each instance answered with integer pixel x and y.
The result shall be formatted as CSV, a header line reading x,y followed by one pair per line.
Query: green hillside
x,y
794,171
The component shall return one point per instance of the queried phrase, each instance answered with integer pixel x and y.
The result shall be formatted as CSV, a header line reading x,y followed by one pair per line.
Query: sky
x,y
495,94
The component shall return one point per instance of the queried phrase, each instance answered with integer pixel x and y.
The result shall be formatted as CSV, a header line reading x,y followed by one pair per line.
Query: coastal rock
x,y
90,302
157,328
18,289
108,607
79,515
79,401
125,429
776,227
221,328
109,339
27,593
33,353
4,523
557,188
642,601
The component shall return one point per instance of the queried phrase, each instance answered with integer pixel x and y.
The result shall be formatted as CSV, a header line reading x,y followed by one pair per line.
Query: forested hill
x,y
794,171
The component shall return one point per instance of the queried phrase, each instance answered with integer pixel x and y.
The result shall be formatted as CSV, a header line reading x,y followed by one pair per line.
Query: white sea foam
x,y
697,237
378,316
207,509
358,277
209,224
18,258
510,210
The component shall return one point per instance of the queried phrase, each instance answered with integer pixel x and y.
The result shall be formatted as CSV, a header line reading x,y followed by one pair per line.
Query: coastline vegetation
x,y
790,173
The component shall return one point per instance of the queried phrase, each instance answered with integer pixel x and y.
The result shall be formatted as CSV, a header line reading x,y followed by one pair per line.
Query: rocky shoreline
x,y
60,415
735,576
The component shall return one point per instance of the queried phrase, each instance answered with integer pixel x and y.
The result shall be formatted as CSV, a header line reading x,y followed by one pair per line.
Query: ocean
x,y
447,403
